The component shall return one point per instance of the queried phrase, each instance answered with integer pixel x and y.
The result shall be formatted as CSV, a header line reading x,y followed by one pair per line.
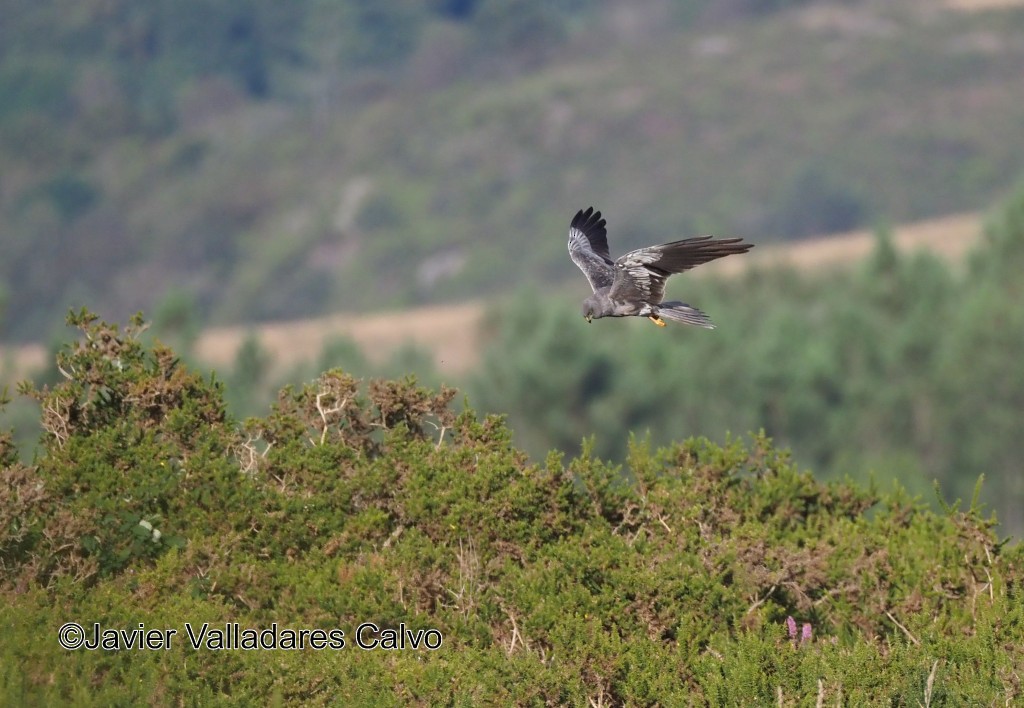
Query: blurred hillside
x,y
264,160
449,336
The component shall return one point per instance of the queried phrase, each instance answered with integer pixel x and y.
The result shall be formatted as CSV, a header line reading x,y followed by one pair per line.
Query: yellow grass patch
x,y
979,5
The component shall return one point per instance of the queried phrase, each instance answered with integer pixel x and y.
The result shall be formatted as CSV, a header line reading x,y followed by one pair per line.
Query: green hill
x,y
271,161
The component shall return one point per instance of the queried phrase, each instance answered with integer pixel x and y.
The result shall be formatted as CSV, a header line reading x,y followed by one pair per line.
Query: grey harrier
x,y
634,285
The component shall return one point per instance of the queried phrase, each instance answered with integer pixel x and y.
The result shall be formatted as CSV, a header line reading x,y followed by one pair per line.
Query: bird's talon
x,y
656,320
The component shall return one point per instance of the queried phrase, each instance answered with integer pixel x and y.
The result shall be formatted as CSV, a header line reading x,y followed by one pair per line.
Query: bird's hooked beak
x,y
587,318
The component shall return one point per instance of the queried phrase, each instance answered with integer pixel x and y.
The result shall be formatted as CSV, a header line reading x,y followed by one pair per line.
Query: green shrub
x,y
666,580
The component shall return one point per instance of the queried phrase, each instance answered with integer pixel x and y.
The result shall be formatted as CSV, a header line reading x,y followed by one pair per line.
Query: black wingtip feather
x,y
588,221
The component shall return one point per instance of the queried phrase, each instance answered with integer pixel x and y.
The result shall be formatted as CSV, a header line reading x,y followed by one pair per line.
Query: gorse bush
x,y
121,431
680,576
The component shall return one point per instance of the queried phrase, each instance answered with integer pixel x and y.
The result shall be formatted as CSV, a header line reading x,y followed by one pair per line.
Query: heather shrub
x,y
694,572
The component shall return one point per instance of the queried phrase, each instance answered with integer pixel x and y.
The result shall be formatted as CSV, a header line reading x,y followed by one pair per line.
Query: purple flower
x,y
805,635
791,627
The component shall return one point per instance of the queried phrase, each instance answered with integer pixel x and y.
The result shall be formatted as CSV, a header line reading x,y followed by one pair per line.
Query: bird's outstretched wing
x,y
640,275
588,248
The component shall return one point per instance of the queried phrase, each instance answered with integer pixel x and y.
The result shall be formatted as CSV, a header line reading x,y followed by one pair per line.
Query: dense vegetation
x,y
274,159
694,572
256,150
903,366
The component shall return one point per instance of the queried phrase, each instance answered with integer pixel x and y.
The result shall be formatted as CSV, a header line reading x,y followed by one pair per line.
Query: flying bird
x,y
634,285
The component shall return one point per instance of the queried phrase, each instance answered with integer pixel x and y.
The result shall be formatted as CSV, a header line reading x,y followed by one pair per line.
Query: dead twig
x,y
517,636
325,412
249,457
930,685
906,631
56,416
762,600
442,428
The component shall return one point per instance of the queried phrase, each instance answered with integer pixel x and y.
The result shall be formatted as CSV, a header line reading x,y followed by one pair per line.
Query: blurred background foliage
x,y
277,160
902,366
217,163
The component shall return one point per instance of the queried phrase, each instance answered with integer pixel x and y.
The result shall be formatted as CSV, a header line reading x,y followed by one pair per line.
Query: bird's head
x,y
589,310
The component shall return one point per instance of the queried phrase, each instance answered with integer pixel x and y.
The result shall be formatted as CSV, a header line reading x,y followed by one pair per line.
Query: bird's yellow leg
x,y
656,320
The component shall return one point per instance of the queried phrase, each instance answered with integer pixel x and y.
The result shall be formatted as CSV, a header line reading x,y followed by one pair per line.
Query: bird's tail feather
x,y
681,312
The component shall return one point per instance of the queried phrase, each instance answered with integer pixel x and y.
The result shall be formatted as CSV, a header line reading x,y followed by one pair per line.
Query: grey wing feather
x,y
588,248
641,274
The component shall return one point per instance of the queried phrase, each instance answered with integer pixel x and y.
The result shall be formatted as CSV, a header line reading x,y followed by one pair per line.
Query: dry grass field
x,y
451,332
949,237
448,331
978,5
